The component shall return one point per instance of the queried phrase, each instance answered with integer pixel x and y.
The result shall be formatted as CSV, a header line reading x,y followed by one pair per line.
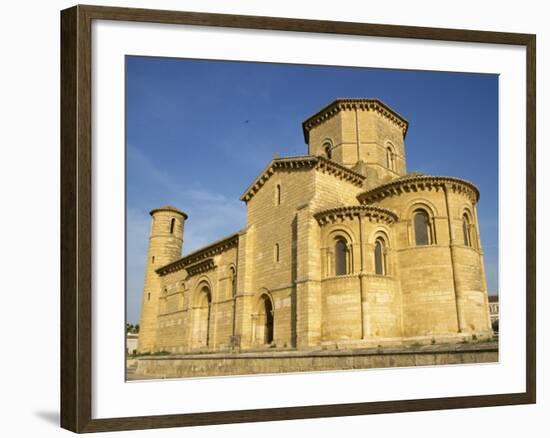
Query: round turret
x,y
165,246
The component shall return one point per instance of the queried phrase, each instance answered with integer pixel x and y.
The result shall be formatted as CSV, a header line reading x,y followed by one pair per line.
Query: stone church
x,y
342,249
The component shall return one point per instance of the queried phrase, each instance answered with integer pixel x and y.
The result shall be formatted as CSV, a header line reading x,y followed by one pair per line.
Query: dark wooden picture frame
x,y
76,218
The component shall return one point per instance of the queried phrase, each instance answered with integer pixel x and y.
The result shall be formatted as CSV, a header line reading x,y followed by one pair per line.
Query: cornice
x,y
374,214
305,162
170,208
205,252
200,267
420,183
338,105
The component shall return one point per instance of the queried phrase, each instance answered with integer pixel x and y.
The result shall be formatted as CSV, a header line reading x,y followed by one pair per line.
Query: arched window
x,y
380,257
466,230
201,320
172,224
278,194
233,282
341,257
328,150
390,158
422,232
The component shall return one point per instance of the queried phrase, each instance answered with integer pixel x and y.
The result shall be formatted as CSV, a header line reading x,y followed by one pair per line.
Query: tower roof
x,y
168,208
342,104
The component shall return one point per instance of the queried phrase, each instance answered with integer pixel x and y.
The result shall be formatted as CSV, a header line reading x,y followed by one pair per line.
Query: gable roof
x,y
299,163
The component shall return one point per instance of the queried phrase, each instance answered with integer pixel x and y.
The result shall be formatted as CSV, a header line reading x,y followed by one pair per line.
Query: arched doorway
x,y
264,321
268,329
201,329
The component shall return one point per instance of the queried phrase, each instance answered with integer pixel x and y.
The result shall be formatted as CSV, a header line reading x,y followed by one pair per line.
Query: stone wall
x,y
278,362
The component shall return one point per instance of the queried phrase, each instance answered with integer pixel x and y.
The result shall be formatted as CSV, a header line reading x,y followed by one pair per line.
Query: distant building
x,y
132,342
494,311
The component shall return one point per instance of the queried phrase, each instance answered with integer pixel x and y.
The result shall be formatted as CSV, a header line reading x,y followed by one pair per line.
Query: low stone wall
x,y
270,362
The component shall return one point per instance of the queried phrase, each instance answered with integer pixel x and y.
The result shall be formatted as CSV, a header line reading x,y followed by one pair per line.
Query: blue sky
x,y
198,132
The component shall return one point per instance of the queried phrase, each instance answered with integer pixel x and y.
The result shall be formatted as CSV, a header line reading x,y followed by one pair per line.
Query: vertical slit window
x,y
172,224
466,231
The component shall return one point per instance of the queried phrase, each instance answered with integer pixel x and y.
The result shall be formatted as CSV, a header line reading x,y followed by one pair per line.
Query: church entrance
x,y
268,330
201,332
264,321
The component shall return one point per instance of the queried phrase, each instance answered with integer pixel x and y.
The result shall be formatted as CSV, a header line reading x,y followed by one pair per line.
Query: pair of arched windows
x,y
342,259
423,231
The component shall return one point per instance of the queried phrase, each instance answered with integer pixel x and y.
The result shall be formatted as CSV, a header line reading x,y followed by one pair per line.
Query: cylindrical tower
x,y
165,246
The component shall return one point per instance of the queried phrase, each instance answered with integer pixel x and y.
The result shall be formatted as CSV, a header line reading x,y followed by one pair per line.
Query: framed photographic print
x,y
341,214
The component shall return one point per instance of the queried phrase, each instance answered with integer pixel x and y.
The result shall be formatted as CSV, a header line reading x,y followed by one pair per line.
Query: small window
x,y
422,233
390,158
276,252
466,230
379,257
153,260
149,296
328,150
233,282
341,257
172,224
278,194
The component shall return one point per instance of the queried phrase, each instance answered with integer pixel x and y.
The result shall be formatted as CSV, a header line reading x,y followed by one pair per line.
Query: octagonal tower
x,y
362,134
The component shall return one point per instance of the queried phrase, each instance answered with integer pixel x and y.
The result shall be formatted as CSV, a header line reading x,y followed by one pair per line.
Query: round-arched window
x,y
422,232
327,149
341,257
466,230
380,257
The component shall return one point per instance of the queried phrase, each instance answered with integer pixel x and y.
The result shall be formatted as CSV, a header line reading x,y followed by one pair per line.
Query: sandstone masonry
x,y
343,249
